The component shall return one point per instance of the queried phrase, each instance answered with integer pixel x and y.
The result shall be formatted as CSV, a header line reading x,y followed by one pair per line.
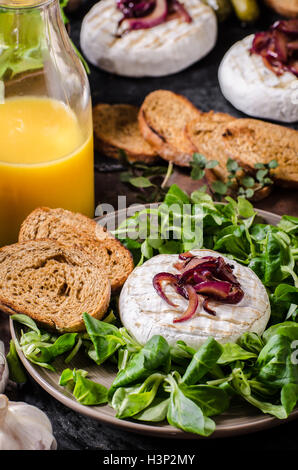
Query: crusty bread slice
x,y
162,120
116,128
199,131
250,141
43,220
52,284
288,8
77,231
206,122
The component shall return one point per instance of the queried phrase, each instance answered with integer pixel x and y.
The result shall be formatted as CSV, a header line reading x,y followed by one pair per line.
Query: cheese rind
x,y
162,50
254,89
144,313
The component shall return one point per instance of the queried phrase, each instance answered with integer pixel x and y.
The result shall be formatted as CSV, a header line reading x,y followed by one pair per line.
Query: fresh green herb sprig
x,y
199,164
241,183
150,180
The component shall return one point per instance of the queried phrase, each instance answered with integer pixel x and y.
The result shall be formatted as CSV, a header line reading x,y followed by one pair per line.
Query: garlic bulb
x,y
24,427
3,369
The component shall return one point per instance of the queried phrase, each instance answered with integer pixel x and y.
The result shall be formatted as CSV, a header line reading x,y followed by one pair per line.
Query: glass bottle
x,y
46,151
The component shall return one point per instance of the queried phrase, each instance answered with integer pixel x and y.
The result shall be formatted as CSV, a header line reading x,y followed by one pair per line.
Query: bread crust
x,y
163,129
288,8
77,231
116,128
52,284
250,141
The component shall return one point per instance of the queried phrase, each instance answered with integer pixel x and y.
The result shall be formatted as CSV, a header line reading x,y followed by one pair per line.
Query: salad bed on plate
x,y
177,384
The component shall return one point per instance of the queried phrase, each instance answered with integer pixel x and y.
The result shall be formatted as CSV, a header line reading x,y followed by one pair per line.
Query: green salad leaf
x,y
86,391
176,383
203,361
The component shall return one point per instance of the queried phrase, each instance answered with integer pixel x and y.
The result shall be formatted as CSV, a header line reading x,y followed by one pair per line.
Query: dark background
x,y
198,83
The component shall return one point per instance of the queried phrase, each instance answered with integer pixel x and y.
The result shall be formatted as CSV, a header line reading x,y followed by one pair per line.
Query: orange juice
x,y
45,160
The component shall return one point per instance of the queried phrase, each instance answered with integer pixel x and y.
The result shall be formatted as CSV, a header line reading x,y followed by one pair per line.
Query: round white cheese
x,y
162,50
253,88
144,313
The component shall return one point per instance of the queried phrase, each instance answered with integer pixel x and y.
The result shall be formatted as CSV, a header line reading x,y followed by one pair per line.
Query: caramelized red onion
x,y
144,14
278,47
178,10
192,305
217,289
164,277
200,278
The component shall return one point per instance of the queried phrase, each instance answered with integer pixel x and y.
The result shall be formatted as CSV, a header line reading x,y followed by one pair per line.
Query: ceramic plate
x,y
239,419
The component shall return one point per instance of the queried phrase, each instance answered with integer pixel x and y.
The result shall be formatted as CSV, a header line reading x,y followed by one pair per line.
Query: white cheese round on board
x,y
144,313
253,88
162,50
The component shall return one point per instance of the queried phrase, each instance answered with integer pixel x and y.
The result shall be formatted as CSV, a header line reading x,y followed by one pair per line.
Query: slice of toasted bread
x,y
52,284
206,122
199,131
162,119
40,222
288,8
116,128
76,230
250,141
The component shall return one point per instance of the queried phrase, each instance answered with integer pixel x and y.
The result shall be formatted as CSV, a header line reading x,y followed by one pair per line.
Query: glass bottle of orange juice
x,y
46,138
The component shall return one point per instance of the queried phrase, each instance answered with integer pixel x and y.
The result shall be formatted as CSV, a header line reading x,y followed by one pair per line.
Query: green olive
x,y
222,8
246,10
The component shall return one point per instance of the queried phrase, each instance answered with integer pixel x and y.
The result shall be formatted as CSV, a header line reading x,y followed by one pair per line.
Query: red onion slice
x,y
135,8
281,48
164,277
201,278
261,41
293,67
207,308
180,9
215,289
186,255
235,296
179,265
287,26
225,272
156,17
192,305
197,265
278,47
293,46
275,67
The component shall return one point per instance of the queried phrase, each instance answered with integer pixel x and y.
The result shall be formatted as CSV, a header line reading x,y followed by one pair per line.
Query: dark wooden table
x,y
199,83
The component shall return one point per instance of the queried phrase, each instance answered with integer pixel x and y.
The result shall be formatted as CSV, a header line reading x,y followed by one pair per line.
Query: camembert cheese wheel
x,y
144,313
161,50
254,89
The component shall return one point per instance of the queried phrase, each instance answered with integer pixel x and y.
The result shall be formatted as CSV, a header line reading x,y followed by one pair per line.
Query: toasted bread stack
x,y
64,264
174,129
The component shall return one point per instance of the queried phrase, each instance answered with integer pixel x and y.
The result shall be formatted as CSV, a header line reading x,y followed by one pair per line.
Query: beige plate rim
x,y
248,424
